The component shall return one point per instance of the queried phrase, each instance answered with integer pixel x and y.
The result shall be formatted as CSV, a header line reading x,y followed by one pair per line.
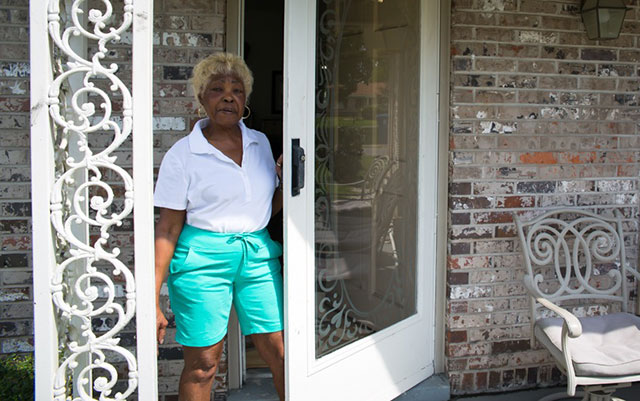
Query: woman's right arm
x,y
168,229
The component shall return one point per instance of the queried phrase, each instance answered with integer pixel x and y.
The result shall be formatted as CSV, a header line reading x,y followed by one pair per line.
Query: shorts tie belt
x,y
247,241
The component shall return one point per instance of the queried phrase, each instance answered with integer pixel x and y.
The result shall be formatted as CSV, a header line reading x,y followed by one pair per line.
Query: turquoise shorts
x,y
210,270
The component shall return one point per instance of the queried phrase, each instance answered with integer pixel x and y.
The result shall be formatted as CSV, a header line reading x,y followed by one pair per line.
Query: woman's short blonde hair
x,y
221,64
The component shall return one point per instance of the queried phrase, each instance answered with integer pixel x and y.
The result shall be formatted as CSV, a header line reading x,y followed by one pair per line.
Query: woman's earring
x,y
248,114
200,111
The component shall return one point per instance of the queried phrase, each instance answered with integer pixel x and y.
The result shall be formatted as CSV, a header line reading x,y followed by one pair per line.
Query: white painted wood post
x,y
61,202
45,330
143,198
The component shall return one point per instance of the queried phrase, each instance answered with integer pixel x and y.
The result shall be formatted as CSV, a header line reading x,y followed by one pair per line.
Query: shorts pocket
x,y
269,250
196,258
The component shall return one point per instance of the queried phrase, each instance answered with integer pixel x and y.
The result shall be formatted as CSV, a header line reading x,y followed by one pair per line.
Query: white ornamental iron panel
x,y
87,189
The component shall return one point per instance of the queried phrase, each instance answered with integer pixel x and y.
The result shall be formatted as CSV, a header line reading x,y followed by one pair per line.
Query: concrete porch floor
x,y
627,394
258,387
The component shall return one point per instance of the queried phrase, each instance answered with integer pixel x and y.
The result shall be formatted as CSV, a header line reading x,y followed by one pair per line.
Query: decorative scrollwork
x,y
572,249
83,286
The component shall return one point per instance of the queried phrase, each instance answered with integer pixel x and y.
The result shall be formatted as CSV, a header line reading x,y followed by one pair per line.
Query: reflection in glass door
x,y
367,124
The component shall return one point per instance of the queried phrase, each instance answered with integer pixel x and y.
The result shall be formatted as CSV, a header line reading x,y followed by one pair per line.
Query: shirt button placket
x,y
245,181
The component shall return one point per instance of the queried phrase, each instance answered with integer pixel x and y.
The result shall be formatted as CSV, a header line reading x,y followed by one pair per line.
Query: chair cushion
x,y
609,344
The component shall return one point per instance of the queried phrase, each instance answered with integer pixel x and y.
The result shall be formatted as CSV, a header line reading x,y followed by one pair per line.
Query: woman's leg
x,y
270,346
200,365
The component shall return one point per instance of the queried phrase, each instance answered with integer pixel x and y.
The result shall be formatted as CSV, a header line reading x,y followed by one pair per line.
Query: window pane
x,y
367,114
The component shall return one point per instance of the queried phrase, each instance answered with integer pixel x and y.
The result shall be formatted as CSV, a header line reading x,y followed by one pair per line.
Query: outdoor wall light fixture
x,y
603,18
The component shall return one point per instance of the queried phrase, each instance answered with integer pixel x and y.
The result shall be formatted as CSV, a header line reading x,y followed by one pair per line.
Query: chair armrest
x,y
574,328
634,272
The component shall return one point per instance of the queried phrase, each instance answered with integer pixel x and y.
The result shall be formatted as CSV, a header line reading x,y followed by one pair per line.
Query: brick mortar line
x,y
542,149
517,12
459,73
533,208
537,136
542,28
539,120
502,326
525,28
586,179
505,164
536,29
557,92
597,47
524,209
536,193
561,61
484,313
22,302
509,210
526,135
537,74
533,90
491,284
558,105
524,13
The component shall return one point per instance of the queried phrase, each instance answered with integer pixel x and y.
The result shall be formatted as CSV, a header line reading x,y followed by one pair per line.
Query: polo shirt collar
x,y
198,143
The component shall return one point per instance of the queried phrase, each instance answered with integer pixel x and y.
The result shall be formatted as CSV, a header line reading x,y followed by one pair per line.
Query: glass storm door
x,y
361,100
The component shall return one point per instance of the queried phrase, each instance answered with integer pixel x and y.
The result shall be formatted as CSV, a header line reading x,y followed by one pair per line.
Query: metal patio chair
x,y
367,187
364,232
579,282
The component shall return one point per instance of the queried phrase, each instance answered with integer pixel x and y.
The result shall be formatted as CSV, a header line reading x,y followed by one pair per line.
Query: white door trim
x,y
234,40
299,118
443,185
42,161
142,91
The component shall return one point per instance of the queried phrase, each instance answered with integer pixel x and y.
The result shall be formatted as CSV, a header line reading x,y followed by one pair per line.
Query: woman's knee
x,y
200,364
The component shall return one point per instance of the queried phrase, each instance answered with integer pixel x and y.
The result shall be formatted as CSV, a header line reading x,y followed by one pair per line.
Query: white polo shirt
x,y
217,194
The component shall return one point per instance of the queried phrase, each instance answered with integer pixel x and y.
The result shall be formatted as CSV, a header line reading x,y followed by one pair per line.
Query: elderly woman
x,y
217,190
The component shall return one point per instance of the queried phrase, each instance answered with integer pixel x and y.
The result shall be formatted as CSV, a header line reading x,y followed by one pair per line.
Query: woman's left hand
x,y
279,167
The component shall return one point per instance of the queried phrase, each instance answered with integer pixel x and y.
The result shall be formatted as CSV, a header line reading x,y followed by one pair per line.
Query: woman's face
x,y
223,100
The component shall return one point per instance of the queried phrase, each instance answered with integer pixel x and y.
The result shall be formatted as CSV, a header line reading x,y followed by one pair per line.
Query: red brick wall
x,y
541,117
16,310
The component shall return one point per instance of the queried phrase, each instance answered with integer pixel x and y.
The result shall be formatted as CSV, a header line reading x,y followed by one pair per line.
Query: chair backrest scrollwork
x,y
572,256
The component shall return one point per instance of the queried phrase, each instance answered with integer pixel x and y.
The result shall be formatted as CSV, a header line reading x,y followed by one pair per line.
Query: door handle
x,y
297,167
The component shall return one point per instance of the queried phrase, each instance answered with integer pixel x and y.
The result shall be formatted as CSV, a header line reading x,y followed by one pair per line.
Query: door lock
x,y
297,167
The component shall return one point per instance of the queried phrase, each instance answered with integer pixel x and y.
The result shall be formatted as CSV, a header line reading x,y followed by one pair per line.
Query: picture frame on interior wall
x,y
277,92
